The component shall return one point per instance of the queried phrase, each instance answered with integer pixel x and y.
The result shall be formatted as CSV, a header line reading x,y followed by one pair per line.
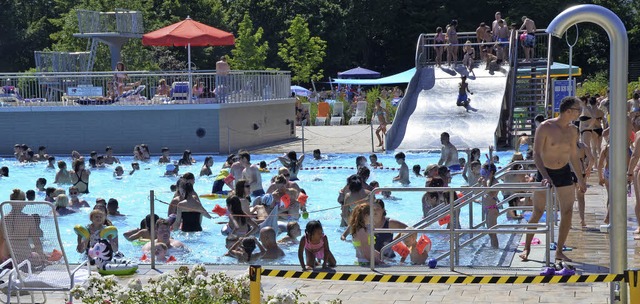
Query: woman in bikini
x,y
80,176
452,40
596,139
586,161
439,39
587,122
381,113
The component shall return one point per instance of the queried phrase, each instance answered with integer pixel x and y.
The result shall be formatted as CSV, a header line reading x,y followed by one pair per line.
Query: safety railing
x,y
53,89
120,21
426,46
455,232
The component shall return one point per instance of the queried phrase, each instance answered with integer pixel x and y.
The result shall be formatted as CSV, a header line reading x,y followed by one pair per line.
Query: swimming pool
x,y
321,185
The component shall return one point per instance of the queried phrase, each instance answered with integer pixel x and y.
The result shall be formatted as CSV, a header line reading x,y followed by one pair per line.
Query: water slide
x,y
429,108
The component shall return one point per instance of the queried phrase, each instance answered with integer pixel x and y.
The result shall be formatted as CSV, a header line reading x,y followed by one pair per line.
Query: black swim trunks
x,y
559,177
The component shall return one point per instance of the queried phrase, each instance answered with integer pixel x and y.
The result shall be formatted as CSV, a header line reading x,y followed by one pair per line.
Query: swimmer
x,y
163,232
416,170
80,176
165,156
403,171
374,161
293,233
41,183
317,155
206,167
171,170
62,176
244,249
109,158
112,208
252,174
448,153
135,166
143,232
75,201
62,205
118,171
293,163
268,240
51,162
315,245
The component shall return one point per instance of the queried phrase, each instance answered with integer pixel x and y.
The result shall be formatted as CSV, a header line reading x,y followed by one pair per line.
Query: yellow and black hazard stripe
x,y
444,279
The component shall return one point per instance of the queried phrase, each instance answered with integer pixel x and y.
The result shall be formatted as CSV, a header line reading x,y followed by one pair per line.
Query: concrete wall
x,y
88,128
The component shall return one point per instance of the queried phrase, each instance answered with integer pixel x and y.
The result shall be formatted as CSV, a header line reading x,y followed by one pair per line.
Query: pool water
x,y
321,185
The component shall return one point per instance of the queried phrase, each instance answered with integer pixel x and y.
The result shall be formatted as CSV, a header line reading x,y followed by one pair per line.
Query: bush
x,y
599,84
194,286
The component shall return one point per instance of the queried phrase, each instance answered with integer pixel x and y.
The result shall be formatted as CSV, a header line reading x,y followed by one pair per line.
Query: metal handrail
x,y
453,232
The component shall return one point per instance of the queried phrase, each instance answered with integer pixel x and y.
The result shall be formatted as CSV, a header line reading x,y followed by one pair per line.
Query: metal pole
x,y
304,122
452,245
619,57
547,252
548,78
372,257
189,69
571,45
152,229
228,140
371,127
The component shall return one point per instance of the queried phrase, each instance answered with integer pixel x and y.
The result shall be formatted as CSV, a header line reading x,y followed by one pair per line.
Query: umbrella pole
x,y
189,69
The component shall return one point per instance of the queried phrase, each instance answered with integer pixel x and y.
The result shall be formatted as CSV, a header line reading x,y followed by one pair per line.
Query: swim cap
x,y
171,167
267,199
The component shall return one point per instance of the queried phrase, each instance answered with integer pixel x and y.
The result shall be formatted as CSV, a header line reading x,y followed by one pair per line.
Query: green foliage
x,y
302,53
248,53
599,84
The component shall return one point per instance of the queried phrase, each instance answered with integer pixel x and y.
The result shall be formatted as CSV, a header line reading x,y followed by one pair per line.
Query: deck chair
x,y
43,267
361,110
338,114
323,113
374,119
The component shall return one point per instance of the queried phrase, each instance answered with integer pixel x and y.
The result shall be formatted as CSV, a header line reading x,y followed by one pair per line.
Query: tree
x,y
248,53
301,52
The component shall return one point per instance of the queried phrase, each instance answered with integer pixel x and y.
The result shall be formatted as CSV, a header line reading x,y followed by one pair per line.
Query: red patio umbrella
x,y
188,33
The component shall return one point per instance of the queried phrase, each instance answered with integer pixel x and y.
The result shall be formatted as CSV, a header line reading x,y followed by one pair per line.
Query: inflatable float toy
x,y
140,241
401,249
145,258
213,196
221,211
108,232
102,255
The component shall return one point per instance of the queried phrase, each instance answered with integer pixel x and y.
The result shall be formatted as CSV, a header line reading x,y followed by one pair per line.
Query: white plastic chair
x,y
361,110
337,114
43,267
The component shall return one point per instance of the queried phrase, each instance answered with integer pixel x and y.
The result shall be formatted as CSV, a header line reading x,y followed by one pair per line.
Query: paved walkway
x,y
590,253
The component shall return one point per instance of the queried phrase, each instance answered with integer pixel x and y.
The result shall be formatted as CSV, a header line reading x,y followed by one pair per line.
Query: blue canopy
x,y
359,73
403,77
298,90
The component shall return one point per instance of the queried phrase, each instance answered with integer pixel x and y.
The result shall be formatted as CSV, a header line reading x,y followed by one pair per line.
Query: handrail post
x,y
452,247
152,229
372,257
549,226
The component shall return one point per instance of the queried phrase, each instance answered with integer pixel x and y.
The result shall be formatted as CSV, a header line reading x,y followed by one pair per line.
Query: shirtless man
x,y
448,153
252,174
163,235
502,38
109,158
530,41
23,232
555,154
222,74
494,25
463,100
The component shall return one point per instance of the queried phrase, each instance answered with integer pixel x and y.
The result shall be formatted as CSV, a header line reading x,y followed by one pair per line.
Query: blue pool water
x,y
207,246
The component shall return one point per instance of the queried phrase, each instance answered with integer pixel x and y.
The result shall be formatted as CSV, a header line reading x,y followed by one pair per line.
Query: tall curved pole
x,y
618,137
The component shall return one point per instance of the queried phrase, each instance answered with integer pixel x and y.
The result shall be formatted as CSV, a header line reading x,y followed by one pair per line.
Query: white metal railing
x,y
121,21
453,208
425,47
50,89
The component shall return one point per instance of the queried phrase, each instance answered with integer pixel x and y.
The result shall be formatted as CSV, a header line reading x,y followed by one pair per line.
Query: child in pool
x,y
358,227
490,200
316,245
293,232
97,218
268,240
417,254
243,249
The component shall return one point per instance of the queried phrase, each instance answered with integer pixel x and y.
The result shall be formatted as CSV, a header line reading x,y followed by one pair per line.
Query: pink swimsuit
x,y
317,249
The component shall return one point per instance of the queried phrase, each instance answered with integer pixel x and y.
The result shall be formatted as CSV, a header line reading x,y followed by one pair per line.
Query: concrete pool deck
x,y
590,253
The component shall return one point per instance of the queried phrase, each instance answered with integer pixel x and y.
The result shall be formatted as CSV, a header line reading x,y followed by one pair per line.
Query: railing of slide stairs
x,y
469,197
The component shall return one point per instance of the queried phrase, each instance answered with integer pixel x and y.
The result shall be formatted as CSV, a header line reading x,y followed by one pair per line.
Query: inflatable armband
x,y
82,231
229,179
221,211
56,255
302,198
171,259
286,199
424,244
445,220
109,232
401,249
144,257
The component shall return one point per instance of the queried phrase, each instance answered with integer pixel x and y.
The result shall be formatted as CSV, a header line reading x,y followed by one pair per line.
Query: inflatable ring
x,y
109,232
213,196
82,231
119,267
140,242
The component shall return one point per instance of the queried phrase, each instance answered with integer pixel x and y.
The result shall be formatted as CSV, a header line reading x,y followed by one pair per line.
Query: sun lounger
x,y
337,114
323,113
359,117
